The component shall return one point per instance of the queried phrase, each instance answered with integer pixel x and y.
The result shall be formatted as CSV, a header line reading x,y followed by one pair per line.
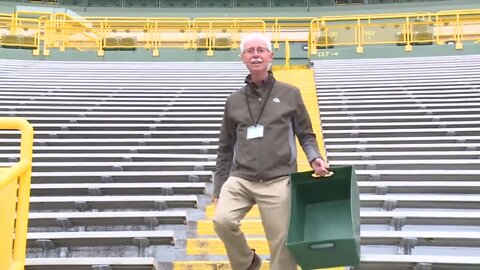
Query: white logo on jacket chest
x,y
276,100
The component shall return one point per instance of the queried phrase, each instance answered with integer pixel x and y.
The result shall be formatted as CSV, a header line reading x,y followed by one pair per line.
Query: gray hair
x,y
256,37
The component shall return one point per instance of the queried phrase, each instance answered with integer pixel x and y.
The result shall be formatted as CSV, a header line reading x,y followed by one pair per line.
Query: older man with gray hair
x,y
256,155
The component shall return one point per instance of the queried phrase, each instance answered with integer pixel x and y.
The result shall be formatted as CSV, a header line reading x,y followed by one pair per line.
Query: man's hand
x,y
215,201
319,166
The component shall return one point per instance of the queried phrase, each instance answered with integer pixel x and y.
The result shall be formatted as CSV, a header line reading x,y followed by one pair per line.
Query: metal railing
x,y
406,29
15,197
123,33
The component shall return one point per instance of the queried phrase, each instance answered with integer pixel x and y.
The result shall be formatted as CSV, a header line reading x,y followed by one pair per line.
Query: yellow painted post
x,y
312,45
359,36
287,55
458,33
210,37
408,36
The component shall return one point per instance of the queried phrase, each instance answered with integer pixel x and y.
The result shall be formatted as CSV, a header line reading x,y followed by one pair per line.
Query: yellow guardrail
x,y
403,29
15,197
213,33
223,33
21,33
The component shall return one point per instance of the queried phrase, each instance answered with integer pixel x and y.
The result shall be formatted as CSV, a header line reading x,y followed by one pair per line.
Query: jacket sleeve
x,y
302,127
225,151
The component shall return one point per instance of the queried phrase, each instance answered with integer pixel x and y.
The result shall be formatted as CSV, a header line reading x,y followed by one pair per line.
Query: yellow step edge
x,y
253,213
248,227
221,265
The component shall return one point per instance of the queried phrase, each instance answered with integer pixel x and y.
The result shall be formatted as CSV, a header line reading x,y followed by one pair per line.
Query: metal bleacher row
x,y
124,156
410,126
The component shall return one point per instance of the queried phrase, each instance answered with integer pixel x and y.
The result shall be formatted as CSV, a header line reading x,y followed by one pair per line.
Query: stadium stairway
x,y
124,153
207,243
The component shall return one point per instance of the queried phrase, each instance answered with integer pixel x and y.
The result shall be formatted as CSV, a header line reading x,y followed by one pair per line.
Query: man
x,y
256,155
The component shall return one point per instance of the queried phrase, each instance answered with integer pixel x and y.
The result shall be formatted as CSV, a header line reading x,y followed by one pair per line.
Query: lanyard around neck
x,y
263,105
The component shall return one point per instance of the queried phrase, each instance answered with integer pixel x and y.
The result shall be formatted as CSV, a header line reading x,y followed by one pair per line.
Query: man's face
x,y
256,56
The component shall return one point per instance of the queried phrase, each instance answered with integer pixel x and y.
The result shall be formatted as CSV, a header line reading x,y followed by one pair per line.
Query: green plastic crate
x,y
325,219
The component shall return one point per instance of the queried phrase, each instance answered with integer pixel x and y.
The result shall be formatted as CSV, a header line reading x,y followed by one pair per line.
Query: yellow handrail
x,y
209,33
15,197
405,29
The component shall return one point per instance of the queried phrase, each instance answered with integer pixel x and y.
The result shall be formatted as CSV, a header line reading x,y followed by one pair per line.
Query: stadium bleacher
x,y
124,157
124,152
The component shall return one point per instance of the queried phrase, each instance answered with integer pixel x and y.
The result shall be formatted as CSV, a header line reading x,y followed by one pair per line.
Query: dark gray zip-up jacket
x,y
273,155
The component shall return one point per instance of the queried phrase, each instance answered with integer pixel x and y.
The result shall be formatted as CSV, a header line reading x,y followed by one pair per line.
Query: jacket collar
x,y
267,83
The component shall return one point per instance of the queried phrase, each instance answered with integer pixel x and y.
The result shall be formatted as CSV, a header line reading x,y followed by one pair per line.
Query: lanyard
x,y
263,105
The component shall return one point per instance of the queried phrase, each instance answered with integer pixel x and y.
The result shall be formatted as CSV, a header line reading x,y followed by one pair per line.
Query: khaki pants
x,y
273,199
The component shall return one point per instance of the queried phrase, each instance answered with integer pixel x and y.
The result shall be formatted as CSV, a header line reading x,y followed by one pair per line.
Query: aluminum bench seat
x,y
396,220
105,142
166,94
121,126
376,147
105,164
360,119
404,155
385,124
437,187
459,163
85,112
41,158
396,132
97,189
146,156
393,109
399,112
100,238
444,201
460,218
423,238
160,202
120,86
408,262
392,91
116,218
417,175
106,107
89,263
411,139
164,149
162,105
433,92
399,73
123,120
373,101
121,176
43,134
410,82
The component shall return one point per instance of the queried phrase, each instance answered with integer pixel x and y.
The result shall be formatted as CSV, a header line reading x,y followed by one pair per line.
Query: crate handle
x,y
316,246
330,173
